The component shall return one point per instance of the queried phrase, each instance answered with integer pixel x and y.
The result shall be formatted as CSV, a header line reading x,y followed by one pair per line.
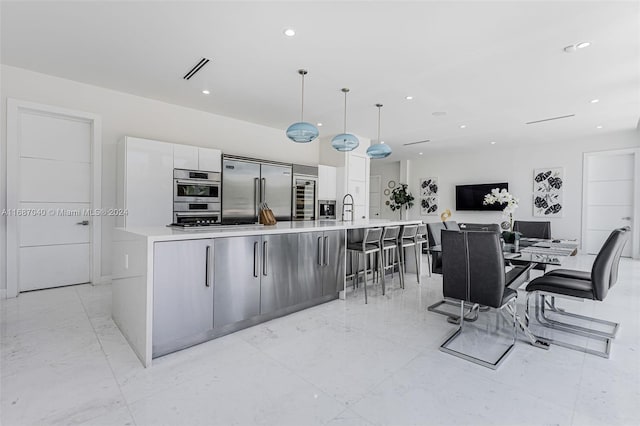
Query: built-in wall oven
x,y
193,186
305,189
196,198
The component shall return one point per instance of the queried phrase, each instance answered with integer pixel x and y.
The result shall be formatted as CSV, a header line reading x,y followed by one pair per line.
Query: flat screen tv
x,y
470,197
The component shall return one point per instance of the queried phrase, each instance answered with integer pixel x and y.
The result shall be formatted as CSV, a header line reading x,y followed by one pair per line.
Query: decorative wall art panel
x,y
429,196
548,189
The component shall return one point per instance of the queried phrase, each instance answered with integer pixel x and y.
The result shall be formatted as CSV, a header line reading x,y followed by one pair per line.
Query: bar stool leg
x,y
400,266
381,267
418,266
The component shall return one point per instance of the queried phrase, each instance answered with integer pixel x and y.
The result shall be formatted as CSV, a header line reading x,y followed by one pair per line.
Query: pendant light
x,y
302,132
345,141
381,149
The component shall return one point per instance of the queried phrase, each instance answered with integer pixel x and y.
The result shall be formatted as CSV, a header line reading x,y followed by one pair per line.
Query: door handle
x,y
86,222
320,252
626,218
265,258
255,259
325,257
207,275
263,190
256,196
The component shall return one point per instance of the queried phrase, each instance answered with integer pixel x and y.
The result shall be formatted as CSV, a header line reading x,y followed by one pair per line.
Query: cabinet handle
x,y
263,190
265,258
320,252
207,282
326,251
256,196
255,259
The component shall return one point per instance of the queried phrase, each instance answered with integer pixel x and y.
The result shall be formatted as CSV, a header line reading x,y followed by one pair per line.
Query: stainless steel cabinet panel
x,y
334,270
276,183
240,191
310,265
279,272
182,294
236,279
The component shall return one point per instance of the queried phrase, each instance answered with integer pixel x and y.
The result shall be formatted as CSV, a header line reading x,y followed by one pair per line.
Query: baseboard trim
x,y
104,279
3,294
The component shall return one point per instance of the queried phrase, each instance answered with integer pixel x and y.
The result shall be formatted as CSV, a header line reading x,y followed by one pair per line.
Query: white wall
x,y
124,114
515,164
388,171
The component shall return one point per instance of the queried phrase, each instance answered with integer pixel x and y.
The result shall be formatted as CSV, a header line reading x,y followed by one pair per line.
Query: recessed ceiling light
x,y
594,101
319,124
408,98
493,142
289,32
583,45
381,141
420,153
598,127
206,92
439,113
463,126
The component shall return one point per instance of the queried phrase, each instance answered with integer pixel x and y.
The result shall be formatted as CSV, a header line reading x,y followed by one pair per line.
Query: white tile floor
x,y
63,361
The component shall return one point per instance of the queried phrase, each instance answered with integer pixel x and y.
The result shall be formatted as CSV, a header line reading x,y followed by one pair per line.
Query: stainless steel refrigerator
x,y
246,183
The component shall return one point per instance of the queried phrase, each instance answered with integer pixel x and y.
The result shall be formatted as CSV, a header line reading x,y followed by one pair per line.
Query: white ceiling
x,y
492,66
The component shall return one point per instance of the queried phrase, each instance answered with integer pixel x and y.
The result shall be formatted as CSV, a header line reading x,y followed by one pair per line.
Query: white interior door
x,y
374,197
609,197
55,194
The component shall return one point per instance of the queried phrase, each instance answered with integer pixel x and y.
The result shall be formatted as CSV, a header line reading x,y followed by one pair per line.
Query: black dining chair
x,y
533,229
578,285
473,273
434,231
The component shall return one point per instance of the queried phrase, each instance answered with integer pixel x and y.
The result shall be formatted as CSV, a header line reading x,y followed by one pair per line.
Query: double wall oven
x,y
196,198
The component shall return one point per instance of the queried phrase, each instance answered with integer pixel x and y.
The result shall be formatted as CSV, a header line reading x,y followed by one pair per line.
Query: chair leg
x,y
416,249
400,266
381,268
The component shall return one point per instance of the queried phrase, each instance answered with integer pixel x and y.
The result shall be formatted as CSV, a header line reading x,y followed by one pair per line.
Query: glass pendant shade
x,y
345,142
379,150
302,132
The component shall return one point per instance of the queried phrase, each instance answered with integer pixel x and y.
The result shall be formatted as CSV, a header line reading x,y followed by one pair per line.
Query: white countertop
x,y
164,233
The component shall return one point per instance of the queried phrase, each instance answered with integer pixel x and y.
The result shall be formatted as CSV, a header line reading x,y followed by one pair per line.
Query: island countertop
x,y
160,233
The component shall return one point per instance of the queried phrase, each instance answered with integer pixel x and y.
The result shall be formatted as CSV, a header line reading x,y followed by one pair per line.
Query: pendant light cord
x,y
345,112
302,107
379,108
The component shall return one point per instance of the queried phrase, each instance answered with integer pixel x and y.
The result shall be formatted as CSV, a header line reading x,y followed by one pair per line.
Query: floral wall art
x,y
548,188
429,196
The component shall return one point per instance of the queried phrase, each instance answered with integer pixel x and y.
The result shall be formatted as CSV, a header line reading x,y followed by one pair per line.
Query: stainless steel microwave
x,y
193,186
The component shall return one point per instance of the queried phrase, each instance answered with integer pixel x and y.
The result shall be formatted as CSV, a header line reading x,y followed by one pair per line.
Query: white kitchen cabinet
x,y
194,158
209,160
145,182
326,182
185,157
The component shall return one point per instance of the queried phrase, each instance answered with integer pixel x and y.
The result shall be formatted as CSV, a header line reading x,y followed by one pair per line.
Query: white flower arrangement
x,y
502,196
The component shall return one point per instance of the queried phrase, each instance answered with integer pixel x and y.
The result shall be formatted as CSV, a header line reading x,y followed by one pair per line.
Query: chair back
x,y
533,229
473,267
626,234
434,231
422,230
372,235
390,233
409,231
451,225
601,271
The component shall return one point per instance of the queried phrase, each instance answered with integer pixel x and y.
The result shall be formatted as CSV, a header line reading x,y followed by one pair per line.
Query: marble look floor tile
x,y
117,417
248,389
435,390
348,418
74,390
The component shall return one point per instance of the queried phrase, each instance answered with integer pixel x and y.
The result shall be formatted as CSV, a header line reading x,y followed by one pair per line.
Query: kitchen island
x,y
173,288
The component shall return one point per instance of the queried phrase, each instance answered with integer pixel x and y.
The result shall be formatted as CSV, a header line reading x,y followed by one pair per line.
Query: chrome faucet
x,y
345,205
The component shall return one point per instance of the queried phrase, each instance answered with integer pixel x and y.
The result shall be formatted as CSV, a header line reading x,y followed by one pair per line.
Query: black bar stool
x,y
390,247
407,239
370,244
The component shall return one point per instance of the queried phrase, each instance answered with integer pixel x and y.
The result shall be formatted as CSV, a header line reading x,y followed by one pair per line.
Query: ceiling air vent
x,y
196,68
551,119
416,143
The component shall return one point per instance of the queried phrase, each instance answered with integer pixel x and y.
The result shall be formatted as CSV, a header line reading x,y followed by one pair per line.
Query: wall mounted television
x,y
470,197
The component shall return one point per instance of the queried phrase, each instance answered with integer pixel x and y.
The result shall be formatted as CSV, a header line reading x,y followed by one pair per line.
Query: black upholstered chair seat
x,y
389,243
563,285
508,295
517,273
570,273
